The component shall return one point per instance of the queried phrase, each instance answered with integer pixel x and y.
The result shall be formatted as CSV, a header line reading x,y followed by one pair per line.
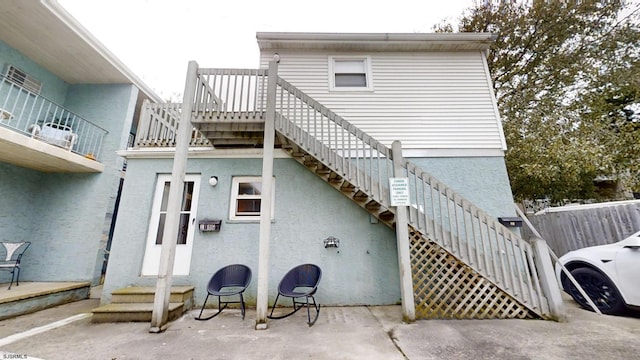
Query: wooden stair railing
x,y
360,167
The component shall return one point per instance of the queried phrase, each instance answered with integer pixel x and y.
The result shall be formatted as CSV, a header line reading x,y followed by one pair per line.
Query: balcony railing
x,y
159,125
42,119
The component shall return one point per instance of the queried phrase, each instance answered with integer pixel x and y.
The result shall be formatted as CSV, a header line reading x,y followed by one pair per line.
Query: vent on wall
x,y
21,78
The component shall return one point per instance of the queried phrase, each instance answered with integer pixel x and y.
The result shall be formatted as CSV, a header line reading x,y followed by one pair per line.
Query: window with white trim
x,y
350,73
246,197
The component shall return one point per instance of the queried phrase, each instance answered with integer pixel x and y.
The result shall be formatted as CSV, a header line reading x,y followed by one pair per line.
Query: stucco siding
x,y
363,270
427,100
18,189
63,214
53,88
482,180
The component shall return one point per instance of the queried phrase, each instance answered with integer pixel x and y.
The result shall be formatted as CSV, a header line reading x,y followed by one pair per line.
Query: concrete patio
x,y
358,332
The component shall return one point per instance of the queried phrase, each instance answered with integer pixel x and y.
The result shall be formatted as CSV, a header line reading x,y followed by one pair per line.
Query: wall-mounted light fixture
x,y
331,242
213,181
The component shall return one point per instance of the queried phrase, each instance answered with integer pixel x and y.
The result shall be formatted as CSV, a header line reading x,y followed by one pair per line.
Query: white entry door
x,y
187,225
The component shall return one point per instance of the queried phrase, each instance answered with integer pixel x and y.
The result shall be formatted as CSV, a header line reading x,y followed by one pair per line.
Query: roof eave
x,y
375,41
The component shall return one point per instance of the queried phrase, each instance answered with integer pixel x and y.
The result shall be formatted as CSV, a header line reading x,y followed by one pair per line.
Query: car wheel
x,y
600,289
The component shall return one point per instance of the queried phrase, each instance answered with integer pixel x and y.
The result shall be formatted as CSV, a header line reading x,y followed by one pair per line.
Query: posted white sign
x,y
399,191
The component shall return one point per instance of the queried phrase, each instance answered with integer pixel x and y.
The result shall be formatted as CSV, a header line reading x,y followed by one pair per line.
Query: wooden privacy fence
x,y
574,227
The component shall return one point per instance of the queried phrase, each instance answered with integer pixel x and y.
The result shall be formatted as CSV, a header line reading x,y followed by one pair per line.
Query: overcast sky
x,y
157,38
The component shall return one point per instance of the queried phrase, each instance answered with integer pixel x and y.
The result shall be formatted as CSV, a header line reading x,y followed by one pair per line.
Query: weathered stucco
x,y
363,270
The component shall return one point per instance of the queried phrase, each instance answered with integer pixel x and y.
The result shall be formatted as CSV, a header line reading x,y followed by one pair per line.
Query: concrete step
x,y
132,312
29,297
135,303
146,294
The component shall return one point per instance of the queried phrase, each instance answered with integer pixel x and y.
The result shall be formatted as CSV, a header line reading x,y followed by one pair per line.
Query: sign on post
x,y
399,189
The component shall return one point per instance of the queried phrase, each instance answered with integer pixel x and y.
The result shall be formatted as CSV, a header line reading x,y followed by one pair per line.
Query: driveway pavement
x,y
357,332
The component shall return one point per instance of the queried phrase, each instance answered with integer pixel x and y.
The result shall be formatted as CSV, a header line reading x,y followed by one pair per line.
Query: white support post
x,y
548,280
160,314
262,300
402,241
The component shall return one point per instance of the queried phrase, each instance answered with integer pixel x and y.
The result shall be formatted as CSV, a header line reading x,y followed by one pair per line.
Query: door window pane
x,y
185,212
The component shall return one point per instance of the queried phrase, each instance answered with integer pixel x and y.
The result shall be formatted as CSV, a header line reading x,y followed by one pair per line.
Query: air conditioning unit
x,y
23,79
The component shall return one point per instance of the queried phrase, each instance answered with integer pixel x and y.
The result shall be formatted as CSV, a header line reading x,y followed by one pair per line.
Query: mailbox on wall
x,y
209,225
510,221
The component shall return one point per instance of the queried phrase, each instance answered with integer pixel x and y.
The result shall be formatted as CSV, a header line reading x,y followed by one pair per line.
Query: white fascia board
x,y
92,41
376,41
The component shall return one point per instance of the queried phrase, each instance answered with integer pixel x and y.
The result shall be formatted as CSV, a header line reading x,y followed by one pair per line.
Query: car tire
x,y
600,289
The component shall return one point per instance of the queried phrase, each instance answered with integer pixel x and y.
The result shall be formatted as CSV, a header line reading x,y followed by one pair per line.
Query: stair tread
x,y
150,290
131,307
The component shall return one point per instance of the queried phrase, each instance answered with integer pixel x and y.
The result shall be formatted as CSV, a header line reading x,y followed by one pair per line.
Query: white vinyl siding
x,y
427,100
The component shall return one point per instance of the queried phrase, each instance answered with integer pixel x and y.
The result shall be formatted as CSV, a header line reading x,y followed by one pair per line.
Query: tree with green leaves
x,y
567,79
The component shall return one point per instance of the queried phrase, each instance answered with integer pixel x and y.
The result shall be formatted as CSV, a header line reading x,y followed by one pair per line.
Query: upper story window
x,y
246,198
350,73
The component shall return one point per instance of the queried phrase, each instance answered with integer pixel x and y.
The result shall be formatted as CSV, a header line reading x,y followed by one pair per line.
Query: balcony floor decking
x,y
24,151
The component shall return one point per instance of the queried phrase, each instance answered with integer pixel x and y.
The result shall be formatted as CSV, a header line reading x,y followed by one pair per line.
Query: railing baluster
x,y
29,112
440,212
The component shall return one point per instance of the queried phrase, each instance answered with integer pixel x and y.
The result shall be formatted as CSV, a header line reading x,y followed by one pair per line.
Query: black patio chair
x,y
230,280
10,257
301,281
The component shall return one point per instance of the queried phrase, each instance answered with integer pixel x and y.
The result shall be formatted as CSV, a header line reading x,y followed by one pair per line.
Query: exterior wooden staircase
x,y
465,264
135,304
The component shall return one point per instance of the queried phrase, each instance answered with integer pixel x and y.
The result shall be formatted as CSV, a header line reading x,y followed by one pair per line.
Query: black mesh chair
x,y
230,280
300,282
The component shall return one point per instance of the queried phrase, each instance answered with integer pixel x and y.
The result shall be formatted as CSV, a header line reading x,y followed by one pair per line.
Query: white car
x,y
607,273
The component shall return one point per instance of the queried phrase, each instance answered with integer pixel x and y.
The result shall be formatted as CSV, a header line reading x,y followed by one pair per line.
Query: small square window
x,y
349,74
246,198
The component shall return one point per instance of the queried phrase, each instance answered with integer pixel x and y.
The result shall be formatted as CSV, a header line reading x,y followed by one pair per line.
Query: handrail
x,y
30,114
363,161
438,212
477,238
159,124
224,93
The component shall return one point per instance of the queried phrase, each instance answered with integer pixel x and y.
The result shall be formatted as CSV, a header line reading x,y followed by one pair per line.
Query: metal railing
x,y
40,118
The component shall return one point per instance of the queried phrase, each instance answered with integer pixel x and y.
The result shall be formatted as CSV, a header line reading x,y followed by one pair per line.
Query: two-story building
x,y
67,105
337,103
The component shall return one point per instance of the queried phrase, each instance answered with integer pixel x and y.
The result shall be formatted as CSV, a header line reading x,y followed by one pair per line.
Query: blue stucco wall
x,y
19,188
53,88
363,270
64,214
482,180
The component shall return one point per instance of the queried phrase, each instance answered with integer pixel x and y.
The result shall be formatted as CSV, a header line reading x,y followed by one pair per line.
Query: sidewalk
x,y
340,333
